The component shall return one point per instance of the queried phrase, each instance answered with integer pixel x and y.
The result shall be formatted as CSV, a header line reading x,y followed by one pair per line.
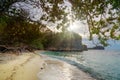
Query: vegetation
x,y
103,17
17,27
16,32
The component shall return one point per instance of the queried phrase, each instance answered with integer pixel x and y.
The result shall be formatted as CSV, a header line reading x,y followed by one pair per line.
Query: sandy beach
x,y
29,66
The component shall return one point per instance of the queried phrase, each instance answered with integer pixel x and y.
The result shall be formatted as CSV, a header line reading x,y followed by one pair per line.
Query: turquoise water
x,y
101,64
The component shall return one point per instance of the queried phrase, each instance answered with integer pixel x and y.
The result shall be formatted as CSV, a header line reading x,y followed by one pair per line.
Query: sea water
x,y
101,64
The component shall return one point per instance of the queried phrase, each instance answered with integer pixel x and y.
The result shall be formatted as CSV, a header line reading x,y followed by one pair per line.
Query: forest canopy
x,y
101,16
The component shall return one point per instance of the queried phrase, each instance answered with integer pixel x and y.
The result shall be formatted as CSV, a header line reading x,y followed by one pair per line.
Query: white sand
x,y
24,67
39,67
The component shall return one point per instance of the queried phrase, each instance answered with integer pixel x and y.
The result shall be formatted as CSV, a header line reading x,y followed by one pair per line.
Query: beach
x,y
34,66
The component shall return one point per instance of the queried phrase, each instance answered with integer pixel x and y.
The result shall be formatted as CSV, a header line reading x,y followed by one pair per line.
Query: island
x,y
97,48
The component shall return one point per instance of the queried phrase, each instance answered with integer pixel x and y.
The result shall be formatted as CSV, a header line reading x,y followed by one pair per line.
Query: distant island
x,y
97,48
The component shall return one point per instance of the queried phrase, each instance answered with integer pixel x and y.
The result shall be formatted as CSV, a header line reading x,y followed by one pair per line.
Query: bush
x,y
37,44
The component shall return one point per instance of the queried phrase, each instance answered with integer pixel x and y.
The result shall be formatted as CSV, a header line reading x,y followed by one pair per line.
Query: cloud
x,y
33,12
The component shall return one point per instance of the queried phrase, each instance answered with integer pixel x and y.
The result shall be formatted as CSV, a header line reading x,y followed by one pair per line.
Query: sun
x,y
72,27
80,28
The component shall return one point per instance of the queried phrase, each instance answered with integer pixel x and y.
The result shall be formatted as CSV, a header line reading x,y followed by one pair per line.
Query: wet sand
x,y
31,66
59,70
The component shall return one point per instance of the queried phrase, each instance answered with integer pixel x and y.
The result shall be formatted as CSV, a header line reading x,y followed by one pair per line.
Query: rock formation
x,y
68,41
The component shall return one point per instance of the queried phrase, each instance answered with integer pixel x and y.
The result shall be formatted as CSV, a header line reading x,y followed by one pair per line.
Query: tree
x,y
102,16
5,4
18,31
53,12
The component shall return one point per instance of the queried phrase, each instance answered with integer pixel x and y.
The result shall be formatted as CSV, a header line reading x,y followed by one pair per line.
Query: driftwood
x,y
4,48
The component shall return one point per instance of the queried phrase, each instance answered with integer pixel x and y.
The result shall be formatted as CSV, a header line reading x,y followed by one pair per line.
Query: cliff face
x,y
68,41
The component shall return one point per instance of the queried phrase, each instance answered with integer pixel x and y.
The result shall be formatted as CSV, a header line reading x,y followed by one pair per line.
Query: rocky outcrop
x,y
68,41
84,47
97,48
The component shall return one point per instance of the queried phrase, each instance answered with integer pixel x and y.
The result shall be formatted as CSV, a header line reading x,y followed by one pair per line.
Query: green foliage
x,y
91,9
5,4
19,30
3,22
60,40
37,44
115,3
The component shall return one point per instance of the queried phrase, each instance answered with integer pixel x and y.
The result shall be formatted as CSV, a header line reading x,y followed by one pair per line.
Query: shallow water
x,y
55,69
101,64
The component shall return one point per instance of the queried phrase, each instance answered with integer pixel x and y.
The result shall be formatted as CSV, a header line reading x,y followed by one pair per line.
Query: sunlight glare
x,y
79,27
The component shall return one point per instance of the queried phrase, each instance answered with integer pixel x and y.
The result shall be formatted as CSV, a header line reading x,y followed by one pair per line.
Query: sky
x,y
80,27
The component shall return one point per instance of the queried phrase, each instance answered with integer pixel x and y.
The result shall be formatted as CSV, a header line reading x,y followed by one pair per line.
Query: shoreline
x,y
37,66
23,67
60,70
